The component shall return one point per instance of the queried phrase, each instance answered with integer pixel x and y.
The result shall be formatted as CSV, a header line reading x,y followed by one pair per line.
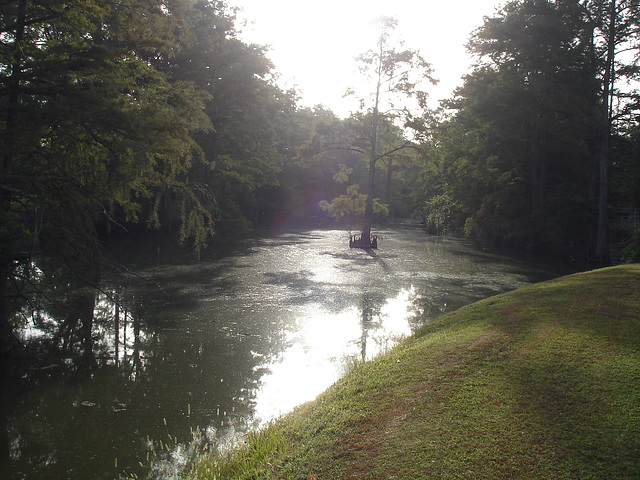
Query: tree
x,y
527,154
396,76
523,128
392,73
307,178
245,152
92,133
351,204
615,26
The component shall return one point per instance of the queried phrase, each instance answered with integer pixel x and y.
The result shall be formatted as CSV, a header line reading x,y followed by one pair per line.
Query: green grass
x,y
543,382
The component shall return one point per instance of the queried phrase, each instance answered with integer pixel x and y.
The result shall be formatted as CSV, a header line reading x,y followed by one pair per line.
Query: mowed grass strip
x,y
543,382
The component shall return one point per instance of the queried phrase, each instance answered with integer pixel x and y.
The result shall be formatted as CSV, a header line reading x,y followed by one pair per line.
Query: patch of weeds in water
x,y
276,451
250,458
168,458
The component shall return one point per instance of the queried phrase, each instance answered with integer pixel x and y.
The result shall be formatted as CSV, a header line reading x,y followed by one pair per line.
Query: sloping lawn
x,y
539,383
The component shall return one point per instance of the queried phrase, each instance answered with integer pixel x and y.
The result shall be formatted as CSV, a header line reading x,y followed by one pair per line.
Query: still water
x,y
234,341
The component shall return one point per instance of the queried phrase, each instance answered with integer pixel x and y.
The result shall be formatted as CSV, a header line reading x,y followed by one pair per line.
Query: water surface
x,y
234,341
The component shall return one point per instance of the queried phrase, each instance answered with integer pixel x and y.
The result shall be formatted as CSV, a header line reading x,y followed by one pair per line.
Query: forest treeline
x,y
150,114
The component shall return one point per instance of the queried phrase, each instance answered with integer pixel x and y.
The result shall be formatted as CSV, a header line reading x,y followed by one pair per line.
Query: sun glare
x,y
313,48
320,348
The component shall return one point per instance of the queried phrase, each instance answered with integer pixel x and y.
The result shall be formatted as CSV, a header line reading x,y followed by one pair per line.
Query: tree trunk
x,y
116,327
368,211
5,328
13,85
593,187
389,178
87,303
535,165
601,253
365,237
5,444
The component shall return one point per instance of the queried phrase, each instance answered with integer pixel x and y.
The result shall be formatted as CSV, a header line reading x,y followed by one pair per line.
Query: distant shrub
x,y
439,212
634,248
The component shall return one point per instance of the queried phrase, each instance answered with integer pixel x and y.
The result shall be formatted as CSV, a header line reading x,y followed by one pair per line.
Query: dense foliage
x,y
533,136
118,116
120,113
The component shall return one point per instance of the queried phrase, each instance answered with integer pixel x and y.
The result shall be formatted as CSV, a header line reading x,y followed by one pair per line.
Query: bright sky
x,y
313,44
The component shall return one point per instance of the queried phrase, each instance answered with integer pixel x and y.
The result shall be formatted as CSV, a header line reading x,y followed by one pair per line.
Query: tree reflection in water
x,y
323,346
107,374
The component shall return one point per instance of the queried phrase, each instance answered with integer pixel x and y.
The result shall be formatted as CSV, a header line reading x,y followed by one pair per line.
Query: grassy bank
x,y
543,382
